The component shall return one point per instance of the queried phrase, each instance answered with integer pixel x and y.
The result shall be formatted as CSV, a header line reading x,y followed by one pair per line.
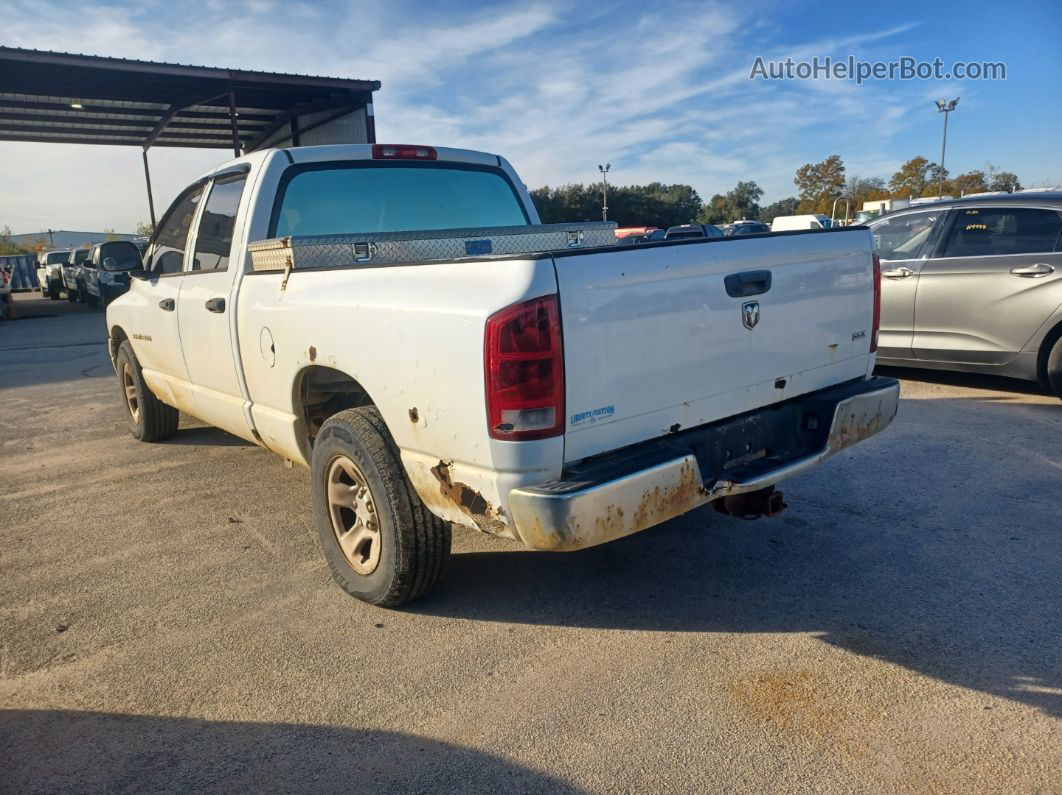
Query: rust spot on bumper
x,y
591,519
313,353
853,427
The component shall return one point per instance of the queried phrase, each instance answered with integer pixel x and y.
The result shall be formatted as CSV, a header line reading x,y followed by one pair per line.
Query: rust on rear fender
x,y
456,501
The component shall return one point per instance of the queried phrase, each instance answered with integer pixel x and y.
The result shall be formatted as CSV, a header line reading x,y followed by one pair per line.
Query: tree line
x,y
818,185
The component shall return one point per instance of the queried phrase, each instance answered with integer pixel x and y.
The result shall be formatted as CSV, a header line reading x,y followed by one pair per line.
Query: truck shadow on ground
x,y
204,436
900,601
995,383
911,554
64,751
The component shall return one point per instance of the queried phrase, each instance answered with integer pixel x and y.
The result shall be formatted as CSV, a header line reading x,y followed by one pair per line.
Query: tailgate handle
x,y
740,285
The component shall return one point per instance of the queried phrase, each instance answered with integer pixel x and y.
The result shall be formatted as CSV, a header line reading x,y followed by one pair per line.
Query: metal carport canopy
x,y
86,99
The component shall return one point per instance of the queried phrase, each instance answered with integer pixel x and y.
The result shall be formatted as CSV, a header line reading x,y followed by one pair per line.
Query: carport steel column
x,y
147,178
232,120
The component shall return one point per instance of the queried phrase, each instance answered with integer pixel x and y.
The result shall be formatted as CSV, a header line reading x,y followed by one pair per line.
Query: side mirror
x,y
120,255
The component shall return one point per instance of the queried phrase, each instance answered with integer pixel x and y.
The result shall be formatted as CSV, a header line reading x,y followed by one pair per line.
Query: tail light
x,y
524,368
877,304
403,152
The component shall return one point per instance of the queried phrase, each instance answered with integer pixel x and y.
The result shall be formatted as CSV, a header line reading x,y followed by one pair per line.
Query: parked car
x,y
974,284
5,291
739,228
105,272
50,272
640,232
790,223
539,395
653,234
684,231
73,279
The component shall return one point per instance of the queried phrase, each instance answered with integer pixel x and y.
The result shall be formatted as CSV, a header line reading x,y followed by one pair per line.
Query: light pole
x,y
604,189
945,107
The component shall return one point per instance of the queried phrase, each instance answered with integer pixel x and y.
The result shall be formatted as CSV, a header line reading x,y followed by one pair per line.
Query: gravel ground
x,y
168,622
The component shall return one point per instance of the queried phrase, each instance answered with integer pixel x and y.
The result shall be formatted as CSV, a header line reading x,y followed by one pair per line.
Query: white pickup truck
x,y
562,398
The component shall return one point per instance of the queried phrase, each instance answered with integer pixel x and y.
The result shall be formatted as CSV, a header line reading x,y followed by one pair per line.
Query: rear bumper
x,y
630,491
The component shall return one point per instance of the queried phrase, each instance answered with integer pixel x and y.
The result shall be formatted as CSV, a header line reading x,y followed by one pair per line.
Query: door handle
x,y
168,304
898,273
216,304
1039,269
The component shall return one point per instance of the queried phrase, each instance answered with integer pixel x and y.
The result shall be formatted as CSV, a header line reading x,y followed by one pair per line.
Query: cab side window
x,y
998,231
904,236
213,244
171,238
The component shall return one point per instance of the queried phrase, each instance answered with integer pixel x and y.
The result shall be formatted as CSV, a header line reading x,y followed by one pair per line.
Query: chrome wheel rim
x,y
355,523
129,386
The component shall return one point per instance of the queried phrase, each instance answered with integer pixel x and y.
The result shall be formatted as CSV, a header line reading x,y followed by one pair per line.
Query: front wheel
x,y
71,295
381,543
150,420
53,291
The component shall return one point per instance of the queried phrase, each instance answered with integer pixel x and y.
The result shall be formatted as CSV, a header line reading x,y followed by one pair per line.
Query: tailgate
x,y
655,343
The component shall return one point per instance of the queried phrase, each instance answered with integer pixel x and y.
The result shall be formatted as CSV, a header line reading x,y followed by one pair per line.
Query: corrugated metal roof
x,y
65,97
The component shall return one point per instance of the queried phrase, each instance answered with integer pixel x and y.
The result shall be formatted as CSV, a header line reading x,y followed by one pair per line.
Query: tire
x,y
410,545
53,291
82,293
71,295
150,420
92,300
1053,368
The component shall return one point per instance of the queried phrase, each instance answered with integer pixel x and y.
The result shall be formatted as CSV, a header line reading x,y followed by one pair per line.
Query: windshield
x,y
55,257
81,255
344,198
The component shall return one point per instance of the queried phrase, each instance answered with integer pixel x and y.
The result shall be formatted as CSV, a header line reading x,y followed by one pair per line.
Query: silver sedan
x,y
974,284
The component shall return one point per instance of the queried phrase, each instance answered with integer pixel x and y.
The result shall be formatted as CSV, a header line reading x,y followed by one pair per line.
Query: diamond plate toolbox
x,y
396,248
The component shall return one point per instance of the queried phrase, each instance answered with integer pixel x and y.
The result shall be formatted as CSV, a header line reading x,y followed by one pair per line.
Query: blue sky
x,y
659,90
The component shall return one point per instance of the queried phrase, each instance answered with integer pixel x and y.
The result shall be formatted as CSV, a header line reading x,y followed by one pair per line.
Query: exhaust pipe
x,y
753,504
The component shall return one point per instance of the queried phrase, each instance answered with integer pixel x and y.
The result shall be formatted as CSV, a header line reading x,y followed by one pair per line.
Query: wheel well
x,y
322,392
1045,350
117,337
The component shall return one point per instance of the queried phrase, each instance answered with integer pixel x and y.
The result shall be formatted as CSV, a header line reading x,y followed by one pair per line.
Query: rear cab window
x,y
369,196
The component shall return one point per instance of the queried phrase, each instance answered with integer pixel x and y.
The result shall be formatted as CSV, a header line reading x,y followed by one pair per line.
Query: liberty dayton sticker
x,y
594,415
750,313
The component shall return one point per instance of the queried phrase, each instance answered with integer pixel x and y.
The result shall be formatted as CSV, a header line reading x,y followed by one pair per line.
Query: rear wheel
x,y
149,418
1053,369
381,543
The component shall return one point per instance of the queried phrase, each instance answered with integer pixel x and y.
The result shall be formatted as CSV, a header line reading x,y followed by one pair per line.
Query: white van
x,y
787,223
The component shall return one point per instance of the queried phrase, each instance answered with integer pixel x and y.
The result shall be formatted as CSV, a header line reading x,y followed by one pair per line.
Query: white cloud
x,y
554,91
